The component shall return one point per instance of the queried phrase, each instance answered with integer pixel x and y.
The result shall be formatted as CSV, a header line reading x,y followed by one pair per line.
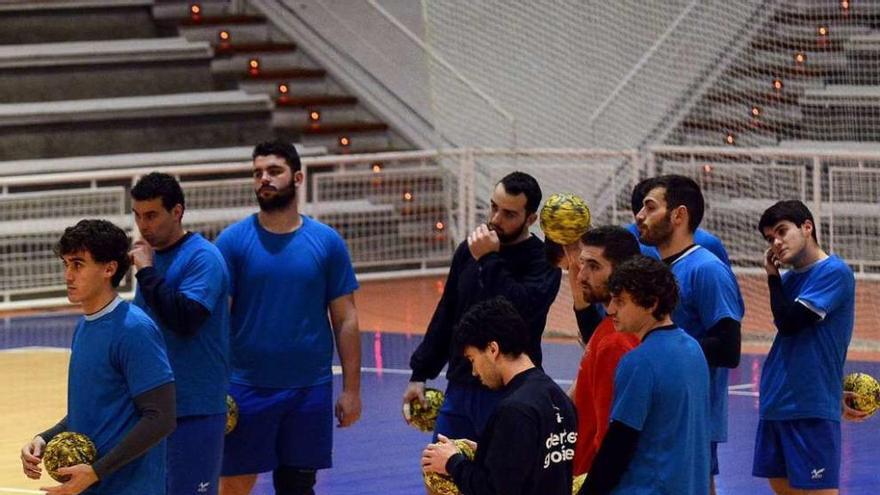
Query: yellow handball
x,y
424,418
441,484
68,449
231,414
577,483
868,390
564,218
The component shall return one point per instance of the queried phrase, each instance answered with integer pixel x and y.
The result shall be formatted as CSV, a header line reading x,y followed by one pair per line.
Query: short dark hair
x,y
638,195
103,240
158,185
681,191
617,243
281,149
647,281
793,210
493,320
516,183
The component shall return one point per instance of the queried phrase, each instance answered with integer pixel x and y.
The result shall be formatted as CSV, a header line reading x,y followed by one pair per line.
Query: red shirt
x,y
594,390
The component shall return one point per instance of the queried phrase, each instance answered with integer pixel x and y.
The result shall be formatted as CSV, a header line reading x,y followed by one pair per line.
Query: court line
x,y
18,490
731,390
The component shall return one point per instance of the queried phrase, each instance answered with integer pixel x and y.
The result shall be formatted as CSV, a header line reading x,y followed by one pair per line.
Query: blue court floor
x,y
380,454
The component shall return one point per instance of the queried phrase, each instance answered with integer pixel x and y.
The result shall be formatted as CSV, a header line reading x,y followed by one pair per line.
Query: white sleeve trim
x,y
812,308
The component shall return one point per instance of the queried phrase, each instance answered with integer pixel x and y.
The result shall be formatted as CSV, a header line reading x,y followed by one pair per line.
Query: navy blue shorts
x,y
465,411
805,451
280,427
195,453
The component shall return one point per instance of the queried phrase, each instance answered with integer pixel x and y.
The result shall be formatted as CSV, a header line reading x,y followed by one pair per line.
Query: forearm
x,y
348,342
612,460
587,320
49,434
176,311
790,316
722,344
158,420
468,476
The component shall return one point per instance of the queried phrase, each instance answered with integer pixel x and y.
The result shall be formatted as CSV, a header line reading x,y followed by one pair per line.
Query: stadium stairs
x,y
106,86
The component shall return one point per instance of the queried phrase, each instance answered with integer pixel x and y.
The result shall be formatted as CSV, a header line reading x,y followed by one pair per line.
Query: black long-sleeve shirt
x,y
529,443
157,420
179,313
519,272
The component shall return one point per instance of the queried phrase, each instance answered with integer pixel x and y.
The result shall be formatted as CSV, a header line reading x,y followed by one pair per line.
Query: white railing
x,y
402,213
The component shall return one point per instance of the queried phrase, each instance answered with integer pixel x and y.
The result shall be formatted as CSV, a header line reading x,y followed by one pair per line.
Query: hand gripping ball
x,y
441,484
564,218
868,390
68,449
421,417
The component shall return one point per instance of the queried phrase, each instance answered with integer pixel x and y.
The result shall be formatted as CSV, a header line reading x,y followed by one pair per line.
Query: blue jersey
x,y
196,268
803,372
708,293
661,389
116,355
702,237
282,286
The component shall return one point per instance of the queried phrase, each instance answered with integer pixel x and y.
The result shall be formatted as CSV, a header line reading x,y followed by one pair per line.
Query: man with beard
x,y
701,236
287,272
183,287
710,306
498,259
601,250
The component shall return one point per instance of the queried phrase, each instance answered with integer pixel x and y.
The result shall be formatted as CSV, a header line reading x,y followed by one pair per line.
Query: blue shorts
x,y
465,411
805,451
195,453
280,427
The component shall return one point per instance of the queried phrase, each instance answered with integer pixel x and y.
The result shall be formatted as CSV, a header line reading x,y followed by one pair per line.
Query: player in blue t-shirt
x,y
287,271
120,390
658,439
711,307
184,286
701,236
813,305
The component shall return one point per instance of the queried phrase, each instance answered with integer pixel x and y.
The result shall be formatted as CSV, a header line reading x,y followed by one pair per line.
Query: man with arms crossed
x,y
529,439
813,305
120,389
288,271
498,259
710,306
184,286
658,440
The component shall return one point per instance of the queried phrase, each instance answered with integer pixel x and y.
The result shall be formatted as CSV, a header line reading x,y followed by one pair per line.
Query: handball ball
x,y
564,218
68,449
231,414
424,418
441,484
868,390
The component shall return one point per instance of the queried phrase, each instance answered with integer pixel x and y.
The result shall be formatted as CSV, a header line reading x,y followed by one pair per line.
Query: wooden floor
x,y
33,388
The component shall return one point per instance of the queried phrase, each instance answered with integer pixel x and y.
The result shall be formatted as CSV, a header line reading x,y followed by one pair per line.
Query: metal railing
x,y
402,213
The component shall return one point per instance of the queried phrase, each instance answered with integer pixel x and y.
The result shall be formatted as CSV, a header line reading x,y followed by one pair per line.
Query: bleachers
x,y
131,124
49,21
103,69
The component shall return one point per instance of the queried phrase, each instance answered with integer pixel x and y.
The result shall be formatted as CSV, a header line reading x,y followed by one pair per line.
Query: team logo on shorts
x,y
818,473
203,487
